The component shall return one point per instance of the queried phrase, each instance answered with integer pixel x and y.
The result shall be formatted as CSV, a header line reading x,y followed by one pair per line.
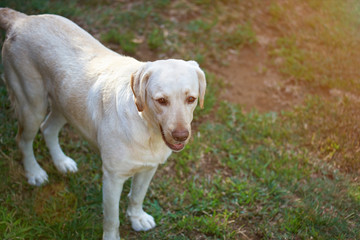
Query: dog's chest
x,y
142,159
154,152
132,157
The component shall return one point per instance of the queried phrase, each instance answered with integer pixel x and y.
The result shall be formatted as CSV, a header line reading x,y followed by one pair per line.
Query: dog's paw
x,y
36,176
142,221
65,165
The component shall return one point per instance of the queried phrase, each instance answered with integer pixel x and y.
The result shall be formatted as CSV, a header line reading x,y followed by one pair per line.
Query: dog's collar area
x,y
177,147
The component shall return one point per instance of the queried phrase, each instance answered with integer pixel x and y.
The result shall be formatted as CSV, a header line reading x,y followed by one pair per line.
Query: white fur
x,y
49,59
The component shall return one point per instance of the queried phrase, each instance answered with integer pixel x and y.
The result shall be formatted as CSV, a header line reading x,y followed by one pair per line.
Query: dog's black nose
x,y
180,134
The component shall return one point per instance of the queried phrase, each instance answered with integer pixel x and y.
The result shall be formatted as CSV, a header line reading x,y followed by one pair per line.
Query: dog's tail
x,y
8,17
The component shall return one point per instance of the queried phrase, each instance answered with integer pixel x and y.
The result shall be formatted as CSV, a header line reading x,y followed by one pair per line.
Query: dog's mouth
x,y
176,147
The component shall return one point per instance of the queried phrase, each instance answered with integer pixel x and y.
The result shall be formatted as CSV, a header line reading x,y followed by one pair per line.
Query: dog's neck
x,y
150,123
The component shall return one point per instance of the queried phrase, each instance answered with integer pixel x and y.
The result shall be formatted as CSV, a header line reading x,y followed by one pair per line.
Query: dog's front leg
x,y
140,220
112,188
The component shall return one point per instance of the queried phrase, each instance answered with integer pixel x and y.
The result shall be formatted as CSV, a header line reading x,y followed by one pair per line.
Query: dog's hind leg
x,y
30,102
50,129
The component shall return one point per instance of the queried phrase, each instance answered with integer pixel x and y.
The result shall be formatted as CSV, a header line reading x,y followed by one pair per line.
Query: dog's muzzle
x,y
180,136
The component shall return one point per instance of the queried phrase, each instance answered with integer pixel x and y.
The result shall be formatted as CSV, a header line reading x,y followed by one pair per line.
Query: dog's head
x,y
167,91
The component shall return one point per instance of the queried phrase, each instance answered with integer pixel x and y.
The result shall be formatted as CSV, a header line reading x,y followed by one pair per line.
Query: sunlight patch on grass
x,y
319,43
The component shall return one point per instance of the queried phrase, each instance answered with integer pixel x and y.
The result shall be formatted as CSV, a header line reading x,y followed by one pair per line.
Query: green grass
x,y
125,41
334,128
286,175
294,59
210,41
156,39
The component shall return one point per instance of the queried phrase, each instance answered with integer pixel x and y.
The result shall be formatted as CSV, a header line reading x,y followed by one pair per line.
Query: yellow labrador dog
x,y
135,113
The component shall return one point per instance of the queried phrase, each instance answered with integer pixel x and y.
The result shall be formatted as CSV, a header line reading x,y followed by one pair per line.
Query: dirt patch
x,y
252,84
253,81
252,77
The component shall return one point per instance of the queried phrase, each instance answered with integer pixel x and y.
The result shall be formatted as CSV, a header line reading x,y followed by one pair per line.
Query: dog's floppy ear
x,y
202,82
139,81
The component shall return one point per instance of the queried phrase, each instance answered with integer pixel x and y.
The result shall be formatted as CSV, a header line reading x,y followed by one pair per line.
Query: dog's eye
x,y
190,100
162,101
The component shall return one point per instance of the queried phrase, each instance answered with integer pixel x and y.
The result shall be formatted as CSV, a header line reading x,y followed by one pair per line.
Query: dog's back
x,y
48,39
44,57
48,56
